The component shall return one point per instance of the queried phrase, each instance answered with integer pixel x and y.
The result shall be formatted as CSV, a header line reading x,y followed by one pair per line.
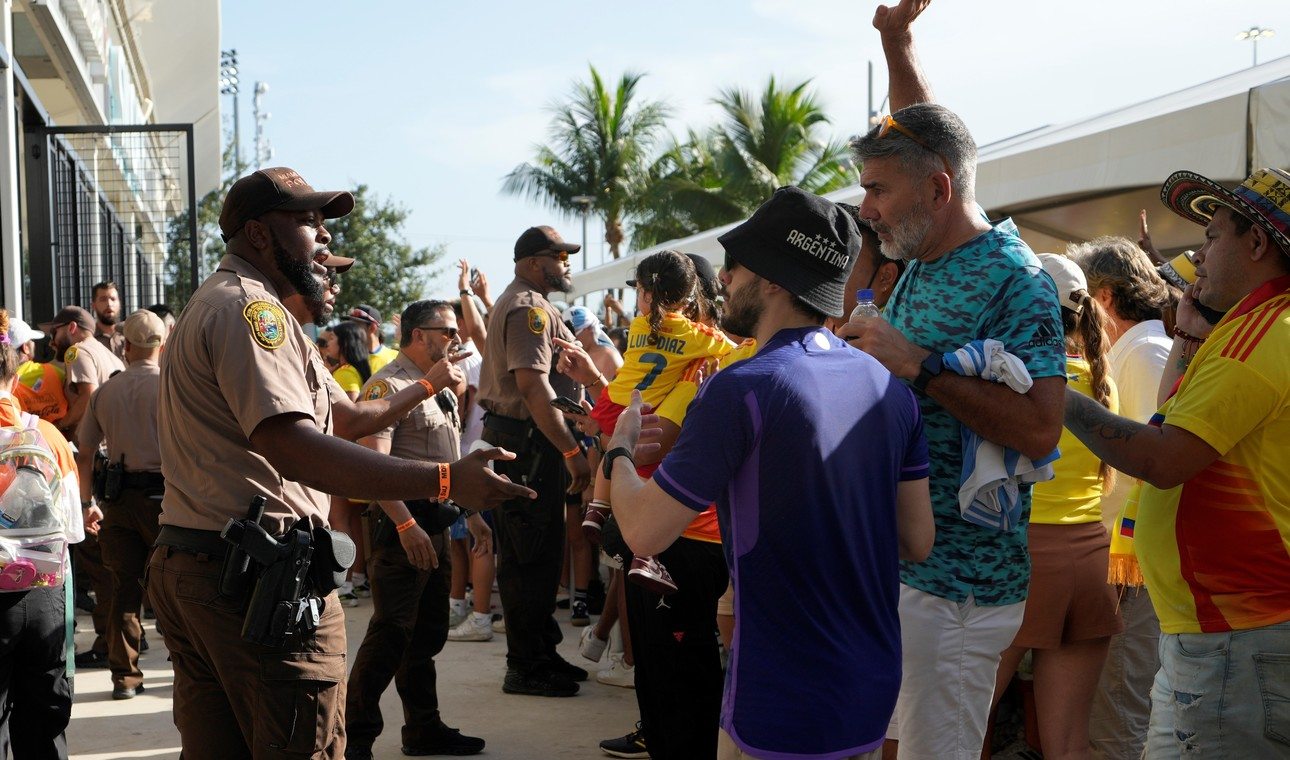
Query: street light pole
x,y
586,201
228,86
1254,34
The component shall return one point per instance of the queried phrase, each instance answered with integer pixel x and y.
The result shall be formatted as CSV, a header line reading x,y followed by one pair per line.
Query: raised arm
x,y
906,84
472,323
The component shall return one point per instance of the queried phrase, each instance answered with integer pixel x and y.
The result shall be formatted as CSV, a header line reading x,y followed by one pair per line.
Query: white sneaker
x,y
618,673
475,627
592,647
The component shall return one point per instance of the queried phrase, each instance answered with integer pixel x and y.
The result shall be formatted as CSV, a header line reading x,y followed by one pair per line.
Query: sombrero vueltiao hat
x,y
1264,199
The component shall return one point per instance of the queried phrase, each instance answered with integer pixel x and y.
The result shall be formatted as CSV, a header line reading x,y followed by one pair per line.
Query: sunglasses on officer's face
x,y
451,332
562,256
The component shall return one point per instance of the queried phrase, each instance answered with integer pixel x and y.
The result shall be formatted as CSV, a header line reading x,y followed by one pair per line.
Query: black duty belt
x,y
143,480
507,425
192,541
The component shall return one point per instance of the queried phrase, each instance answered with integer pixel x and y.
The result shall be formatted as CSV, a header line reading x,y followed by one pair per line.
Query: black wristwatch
x,y
607,465
931,367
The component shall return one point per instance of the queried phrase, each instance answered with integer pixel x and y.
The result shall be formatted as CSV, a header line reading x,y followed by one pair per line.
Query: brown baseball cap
x,y
144,329
536,240
339,263
277,189
69,315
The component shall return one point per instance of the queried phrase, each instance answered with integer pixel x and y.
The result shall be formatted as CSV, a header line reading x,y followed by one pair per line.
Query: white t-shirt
x,y
472,427
1137,360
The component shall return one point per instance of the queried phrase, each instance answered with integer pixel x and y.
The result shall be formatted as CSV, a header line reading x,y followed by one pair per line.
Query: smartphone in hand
x,y
568,406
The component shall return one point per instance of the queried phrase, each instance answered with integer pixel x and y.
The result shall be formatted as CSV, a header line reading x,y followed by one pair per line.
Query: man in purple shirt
x,y
815,457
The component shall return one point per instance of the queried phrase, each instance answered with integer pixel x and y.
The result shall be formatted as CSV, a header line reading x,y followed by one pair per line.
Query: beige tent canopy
x,y
1076,181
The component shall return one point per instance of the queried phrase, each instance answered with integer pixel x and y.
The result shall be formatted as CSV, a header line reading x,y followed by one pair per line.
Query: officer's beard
x,y
300,276
560,282
108,320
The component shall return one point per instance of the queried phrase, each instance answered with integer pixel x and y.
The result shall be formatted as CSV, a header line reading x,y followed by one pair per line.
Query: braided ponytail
x,y
1086,332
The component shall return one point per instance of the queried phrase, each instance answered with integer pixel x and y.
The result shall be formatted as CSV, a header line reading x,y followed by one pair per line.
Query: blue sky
x,y
431,103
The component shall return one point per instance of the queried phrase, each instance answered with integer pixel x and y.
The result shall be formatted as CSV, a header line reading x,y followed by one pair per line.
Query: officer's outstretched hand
x,y
475,486
421,553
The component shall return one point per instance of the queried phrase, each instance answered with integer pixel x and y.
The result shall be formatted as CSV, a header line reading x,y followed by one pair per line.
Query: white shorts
x,y
951,658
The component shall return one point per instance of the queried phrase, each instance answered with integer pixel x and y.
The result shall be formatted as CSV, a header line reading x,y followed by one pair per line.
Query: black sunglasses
x,y
451,332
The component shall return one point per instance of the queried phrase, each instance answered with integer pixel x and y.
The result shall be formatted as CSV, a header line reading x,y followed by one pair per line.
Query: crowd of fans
x,y
832,537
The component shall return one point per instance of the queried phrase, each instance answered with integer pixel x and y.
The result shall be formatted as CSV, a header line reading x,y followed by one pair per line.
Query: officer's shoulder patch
x,y
71,355
537,320
378,389
268,323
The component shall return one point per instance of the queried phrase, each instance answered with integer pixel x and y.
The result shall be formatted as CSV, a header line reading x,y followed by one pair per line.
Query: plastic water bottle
x,y
27,502
865,307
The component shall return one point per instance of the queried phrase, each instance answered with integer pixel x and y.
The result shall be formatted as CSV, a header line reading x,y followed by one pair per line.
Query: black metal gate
x,y
110,203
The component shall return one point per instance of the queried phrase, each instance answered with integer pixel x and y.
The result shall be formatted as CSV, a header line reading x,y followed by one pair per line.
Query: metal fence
x,y
110,203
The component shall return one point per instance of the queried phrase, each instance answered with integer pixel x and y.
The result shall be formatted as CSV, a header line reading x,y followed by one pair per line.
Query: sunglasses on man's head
x,y
887,124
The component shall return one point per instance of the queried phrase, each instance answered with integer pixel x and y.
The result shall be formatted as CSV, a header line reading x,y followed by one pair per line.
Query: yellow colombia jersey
x,y
654,370
349,379
1074,495
678,401
1216,550
380,357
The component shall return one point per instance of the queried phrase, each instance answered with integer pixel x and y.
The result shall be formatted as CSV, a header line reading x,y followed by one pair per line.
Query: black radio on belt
x,y
114,480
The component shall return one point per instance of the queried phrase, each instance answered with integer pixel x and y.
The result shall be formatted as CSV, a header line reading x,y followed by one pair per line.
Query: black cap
x,y
537,240
277,189
364,315
803,243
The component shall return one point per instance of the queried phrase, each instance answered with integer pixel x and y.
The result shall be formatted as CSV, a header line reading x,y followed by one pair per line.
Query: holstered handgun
x,y
98,480
114,480
279,607
236,576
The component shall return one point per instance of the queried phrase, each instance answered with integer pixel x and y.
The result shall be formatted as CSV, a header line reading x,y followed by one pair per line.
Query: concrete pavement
x,y
470,693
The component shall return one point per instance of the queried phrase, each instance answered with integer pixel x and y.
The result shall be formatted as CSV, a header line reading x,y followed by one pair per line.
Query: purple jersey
x,y
802,447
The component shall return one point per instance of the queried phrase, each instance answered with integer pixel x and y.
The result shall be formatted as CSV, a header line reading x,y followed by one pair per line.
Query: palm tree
x,y
684,194
774,140
724,174
600,147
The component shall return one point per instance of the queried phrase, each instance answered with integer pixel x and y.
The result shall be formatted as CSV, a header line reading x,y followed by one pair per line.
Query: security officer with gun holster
x,y
518,380
127,490
409,567
248,408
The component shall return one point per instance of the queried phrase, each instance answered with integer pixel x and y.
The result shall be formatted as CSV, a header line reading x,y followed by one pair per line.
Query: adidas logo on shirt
x,y
1045,336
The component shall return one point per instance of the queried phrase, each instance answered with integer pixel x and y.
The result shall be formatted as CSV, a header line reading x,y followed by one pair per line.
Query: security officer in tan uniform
x,y
88,365
124,411
409,569
518,379
245,411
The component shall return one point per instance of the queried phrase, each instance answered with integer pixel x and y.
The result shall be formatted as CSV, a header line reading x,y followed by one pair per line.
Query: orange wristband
x,y
444,481
426,384
573,452
404,527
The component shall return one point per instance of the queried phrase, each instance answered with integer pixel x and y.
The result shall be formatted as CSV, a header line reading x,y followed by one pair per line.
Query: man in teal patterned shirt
x,y
968,279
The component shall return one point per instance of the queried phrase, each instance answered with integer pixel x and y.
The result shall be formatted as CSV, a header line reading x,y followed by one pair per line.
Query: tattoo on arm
x,y
1088,416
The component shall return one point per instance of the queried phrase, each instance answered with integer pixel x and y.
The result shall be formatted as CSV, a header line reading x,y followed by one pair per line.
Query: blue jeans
x,y
1222,695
